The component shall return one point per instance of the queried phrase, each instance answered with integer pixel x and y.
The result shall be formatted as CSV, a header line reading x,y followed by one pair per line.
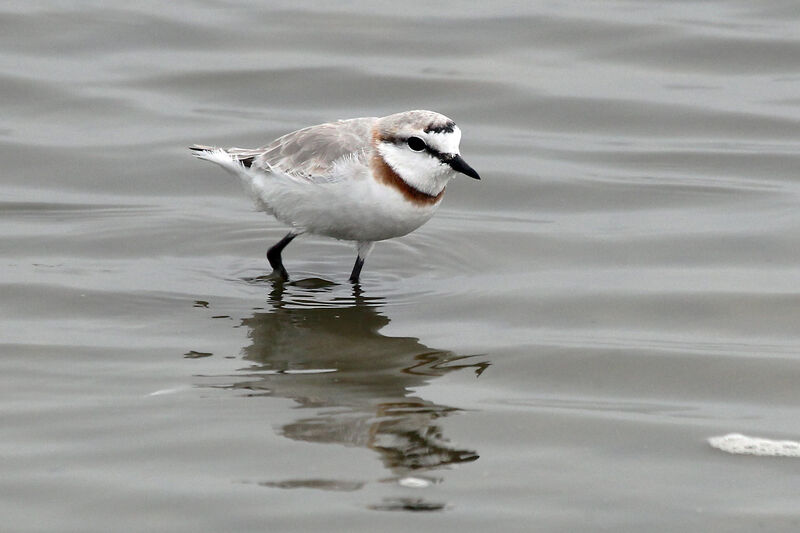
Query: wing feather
x,y
311,153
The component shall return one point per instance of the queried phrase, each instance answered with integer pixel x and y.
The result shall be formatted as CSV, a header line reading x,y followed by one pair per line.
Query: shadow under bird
x,y
363,179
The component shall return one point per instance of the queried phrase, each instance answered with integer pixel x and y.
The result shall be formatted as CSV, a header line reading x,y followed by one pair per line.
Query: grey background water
x,y
549,353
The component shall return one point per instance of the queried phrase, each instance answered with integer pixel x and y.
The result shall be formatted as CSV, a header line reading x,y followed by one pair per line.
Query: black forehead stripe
x,y
447,127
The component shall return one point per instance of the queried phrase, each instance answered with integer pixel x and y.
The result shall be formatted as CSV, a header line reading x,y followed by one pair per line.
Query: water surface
x,y
551,352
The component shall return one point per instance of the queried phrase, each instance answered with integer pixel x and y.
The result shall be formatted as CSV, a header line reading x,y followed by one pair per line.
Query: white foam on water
x,y
414,482
308,371
173,390
739,444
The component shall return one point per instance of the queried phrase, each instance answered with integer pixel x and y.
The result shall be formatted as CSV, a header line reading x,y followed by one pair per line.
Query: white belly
x,y
357,209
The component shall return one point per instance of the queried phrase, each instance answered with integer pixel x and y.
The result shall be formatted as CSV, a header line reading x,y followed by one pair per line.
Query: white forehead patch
x,y
444,142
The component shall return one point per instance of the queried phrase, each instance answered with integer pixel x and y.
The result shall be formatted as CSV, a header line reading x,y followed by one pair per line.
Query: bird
x,y
362,179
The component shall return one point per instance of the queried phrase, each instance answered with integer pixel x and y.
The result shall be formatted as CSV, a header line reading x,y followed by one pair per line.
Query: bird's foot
x,y
278,274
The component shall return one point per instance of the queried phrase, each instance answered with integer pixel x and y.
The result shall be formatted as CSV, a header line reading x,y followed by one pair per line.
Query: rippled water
x,y
551,352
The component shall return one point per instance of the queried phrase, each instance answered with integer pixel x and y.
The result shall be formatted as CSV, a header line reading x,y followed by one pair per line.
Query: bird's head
x,y
421,147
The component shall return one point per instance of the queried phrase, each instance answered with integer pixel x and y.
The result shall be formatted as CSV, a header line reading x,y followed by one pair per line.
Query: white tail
x,y
221,157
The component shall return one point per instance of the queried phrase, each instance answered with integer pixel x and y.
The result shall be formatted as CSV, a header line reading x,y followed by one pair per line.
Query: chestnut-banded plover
x,y
362,179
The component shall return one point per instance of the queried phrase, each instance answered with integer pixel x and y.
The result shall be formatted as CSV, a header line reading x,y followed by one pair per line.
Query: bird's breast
x,y
386,176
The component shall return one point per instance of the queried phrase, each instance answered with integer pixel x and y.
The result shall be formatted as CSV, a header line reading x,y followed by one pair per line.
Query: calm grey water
x,y
551,352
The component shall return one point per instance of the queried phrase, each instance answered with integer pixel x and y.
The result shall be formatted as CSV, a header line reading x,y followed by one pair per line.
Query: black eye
x,y
416,144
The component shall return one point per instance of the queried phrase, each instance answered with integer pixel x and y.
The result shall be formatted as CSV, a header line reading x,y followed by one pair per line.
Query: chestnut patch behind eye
x,y
416,144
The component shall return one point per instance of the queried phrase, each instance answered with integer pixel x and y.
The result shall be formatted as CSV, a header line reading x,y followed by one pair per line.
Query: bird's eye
x,y
416,144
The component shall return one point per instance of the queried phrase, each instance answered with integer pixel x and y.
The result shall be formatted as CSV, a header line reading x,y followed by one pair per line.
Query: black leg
x,y
356,269
364,248
274,256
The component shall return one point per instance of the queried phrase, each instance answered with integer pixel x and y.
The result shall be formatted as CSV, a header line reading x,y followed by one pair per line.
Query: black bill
x,y
458,164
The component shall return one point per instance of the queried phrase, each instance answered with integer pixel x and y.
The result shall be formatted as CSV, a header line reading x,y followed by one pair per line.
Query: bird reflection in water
x,y
331,356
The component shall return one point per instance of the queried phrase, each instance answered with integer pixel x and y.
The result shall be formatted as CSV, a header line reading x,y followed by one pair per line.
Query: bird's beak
x,y
458,164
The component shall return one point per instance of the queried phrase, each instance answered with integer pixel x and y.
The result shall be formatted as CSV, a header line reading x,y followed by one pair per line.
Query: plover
x,y
363,179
